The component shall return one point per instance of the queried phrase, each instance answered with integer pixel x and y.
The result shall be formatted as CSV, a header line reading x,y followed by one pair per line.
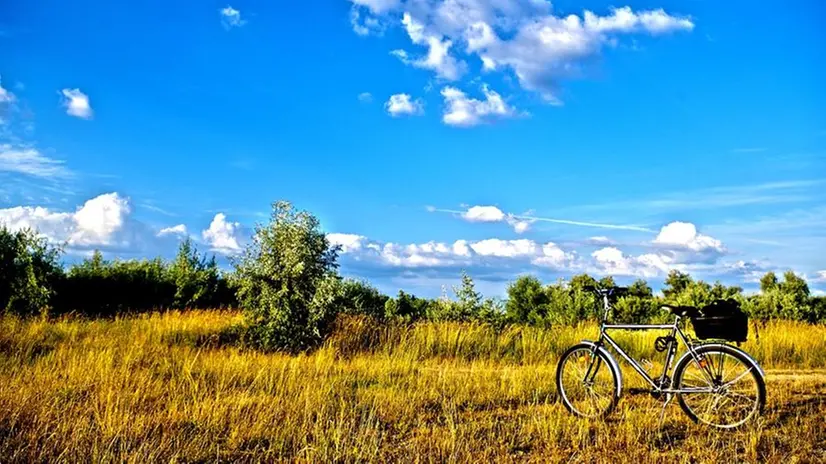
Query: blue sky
x,y
498,136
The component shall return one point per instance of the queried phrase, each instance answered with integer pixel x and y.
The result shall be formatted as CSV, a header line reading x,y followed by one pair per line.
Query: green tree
x,y
360,298
768,282
527,299
675,284
196,278
287,282
469,301
407,307
29,269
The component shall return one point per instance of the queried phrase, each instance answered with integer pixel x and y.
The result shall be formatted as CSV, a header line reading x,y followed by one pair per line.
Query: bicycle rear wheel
x,y
729,387
587,382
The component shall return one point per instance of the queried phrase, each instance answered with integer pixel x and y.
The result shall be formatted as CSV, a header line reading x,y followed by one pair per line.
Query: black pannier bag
x,y
722,319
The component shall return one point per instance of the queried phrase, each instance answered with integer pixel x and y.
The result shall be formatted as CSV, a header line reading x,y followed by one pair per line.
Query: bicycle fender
x,y
718,345
610,359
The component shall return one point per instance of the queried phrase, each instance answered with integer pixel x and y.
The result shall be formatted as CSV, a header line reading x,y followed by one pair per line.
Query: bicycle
x,y
700,373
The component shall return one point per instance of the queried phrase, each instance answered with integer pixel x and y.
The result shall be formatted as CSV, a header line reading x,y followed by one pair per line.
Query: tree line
x,y
288,285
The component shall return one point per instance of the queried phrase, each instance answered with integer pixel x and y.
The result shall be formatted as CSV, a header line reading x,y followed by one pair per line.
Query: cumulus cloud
x,y
678,246
494,214
77,103
402,104
524,37
462,111
348,242
230,17
179,230
223,236
460,253
484,214
612,261
684,234
29,161
438,58
820,276
100,222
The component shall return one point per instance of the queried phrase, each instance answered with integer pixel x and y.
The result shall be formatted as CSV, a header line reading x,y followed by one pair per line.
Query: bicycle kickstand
x,y
668,398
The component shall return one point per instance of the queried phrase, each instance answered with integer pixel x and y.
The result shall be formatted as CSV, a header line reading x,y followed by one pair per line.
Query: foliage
x,y
358,297
29,269
98,287
287,282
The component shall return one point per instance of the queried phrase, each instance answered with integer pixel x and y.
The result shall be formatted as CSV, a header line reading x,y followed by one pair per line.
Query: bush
x,y
29,269
287,282
97,287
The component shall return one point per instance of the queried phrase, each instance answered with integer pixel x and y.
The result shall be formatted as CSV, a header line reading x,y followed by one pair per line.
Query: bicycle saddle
x,y
682,311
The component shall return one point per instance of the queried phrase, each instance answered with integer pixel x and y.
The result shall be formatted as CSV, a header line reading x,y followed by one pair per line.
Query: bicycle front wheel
x,y
587,382
723,389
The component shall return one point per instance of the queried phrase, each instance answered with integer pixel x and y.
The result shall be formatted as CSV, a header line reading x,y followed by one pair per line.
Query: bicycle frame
x,y
656,386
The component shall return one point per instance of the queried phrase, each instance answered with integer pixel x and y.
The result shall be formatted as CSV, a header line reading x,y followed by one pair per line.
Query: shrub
x,y
287,282
29,269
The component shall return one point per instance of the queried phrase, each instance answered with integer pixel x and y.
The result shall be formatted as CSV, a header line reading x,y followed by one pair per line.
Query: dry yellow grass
x,y
153,389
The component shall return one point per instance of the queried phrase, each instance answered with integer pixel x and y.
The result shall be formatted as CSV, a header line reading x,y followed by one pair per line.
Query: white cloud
x,y
464,253
230,17
684,234
612,261
465,112
519,226
600,240
438,58
348,242
378,6
402,104
505,248
522,36
365,97
821,276
484,214
179,230
28,160
222,236
100,222
364,23
77,103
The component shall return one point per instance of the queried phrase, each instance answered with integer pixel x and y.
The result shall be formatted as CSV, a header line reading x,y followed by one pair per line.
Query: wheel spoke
x,y
726,402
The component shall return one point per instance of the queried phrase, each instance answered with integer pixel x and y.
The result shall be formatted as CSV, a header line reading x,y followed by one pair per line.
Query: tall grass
x,y
161,388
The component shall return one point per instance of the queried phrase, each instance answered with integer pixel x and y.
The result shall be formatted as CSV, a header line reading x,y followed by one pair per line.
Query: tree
x,y
469,303
406,307
768,282
360,298
287,282
675,284
196,278
526,297
29,269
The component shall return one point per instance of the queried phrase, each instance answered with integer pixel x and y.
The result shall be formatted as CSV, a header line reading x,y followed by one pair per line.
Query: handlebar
x,y
610,292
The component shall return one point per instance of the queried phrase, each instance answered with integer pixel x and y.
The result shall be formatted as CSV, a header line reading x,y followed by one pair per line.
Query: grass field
x,y
158,388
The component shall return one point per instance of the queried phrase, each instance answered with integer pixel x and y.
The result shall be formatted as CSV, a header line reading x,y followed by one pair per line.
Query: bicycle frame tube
x,y
672,347
670,355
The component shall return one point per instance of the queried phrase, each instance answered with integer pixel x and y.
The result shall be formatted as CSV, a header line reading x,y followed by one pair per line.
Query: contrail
x,y
587,224
559,221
